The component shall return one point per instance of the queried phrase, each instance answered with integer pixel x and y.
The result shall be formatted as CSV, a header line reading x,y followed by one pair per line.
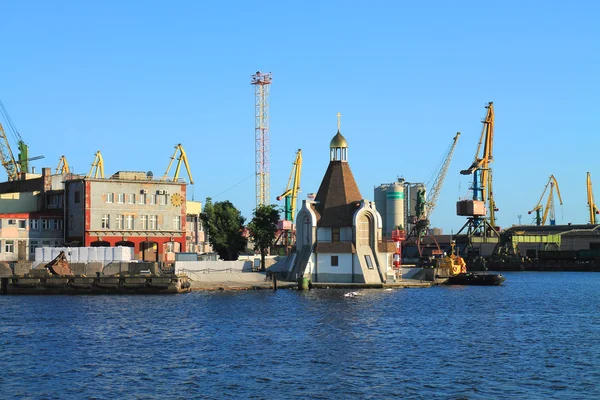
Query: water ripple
x,y
538,336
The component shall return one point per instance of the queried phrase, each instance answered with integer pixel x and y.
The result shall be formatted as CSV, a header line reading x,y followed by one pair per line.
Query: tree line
x,y
224,225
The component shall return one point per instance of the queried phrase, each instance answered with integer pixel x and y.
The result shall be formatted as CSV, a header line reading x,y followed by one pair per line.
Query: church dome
x,y
338,141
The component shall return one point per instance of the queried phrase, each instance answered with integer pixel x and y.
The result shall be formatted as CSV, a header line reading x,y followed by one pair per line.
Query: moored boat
x,y
473,278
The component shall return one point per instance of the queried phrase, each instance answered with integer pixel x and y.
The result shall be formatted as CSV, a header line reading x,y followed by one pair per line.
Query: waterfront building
x,y
128,209
31,215
196,240
339,234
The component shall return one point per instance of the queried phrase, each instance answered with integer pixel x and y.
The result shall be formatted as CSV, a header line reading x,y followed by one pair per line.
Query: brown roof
x,y
335,247
386,247
338,196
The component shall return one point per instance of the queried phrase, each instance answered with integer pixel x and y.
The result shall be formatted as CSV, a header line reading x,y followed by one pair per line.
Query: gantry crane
x,y
425,211
290,196
97,169
590,200
13,166
63,166
539,219
293,187
181,158
483,196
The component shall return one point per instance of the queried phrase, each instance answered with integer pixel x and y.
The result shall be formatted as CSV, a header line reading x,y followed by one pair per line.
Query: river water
x,y
537,336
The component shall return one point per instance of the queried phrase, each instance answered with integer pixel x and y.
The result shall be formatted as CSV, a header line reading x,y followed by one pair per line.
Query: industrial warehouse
x,y
336,236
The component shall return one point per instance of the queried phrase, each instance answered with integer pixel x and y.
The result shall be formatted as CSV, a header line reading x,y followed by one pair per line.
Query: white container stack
x,y
106,255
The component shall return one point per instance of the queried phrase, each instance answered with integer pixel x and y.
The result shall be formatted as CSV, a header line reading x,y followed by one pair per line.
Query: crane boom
x,y
63,166
97,169
8,160
541,220
293,187
436,188
181,158
590,200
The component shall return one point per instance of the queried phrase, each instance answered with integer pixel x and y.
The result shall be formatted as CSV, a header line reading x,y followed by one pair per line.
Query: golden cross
x,y
339,117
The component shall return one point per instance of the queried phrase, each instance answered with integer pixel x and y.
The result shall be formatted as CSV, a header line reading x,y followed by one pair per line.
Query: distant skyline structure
x,y
262,82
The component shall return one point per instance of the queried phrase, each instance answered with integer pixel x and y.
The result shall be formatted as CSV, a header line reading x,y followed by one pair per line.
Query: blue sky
x,y
132,79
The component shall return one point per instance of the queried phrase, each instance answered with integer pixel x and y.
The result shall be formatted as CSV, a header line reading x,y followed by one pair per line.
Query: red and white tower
x,y
262,83
398,236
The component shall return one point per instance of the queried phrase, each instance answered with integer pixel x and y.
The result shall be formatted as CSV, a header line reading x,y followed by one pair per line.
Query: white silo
x,y
394,207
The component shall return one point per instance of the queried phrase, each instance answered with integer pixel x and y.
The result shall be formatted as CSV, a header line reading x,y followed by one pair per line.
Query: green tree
x,y
225,227
263,229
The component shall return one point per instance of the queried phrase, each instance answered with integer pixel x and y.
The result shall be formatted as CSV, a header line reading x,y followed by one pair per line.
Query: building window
x,y
334,261
142,199
335,234
57,224
71,223
119,221
22,224
170,247
110,197
121,198
143,222
34,224
152,222
177,223
33,244
162,199
46,243
105,221
152,199
369,262
129,222
77,197
45,224
130,198
12,222
54,201
9,246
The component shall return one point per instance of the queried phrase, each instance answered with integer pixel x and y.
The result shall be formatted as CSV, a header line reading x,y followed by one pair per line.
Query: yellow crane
x,y
63,166
590,200
483,194
293,187
97,169
181,158
539,219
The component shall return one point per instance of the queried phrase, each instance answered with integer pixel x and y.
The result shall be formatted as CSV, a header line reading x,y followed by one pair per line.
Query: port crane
x,y
181,158
97,169
539,219
483,194
13,166
425,207
590,200
290,196
63,166
293,187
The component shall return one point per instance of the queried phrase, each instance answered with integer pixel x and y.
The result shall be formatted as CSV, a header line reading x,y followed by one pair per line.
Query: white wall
x,y
323,234
347,234
344,262
212,266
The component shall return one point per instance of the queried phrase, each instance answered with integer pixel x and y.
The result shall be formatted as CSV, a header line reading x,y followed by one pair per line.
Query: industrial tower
x,y
262,82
